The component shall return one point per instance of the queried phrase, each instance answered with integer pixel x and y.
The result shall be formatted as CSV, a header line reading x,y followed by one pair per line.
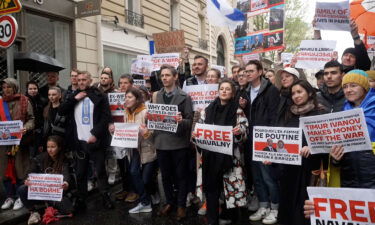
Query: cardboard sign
x,y
277,144
171,59
314,54
10,132
125,135
139,82
162,117
202,95
347,128
349,206
47,187
332,16
214,138
116,103
170,41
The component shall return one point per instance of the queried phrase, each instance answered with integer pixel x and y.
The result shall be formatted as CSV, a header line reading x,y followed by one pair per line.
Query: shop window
x,y
119,62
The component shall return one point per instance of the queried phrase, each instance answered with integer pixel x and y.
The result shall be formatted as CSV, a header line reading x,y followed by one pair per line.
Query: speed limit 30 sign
x,y
8,31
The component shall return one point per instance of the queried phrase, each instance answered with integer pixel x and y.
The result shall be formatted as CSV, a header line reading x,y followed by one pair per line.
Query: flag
x,y
220,13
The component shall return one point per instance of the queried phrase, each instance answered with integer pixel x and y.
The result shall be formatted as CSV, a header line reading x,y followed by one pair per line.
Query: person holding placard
x,y
294,179
357,168
143,162
173,148
14,159
216,166
52,161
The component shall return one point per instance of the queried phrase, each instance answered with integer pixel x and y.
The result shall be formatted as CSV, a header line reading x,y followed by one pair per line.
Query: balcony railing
x,y
134,19
203,44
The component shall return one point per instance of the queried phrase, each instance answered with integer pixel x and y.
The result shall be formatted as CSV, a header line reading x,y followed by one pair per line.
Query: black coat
x,y
331,102
102,117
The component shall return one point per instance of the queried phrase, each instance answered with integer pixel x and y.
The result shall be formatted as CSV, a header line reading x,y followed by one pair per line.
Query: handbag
x,y
319,177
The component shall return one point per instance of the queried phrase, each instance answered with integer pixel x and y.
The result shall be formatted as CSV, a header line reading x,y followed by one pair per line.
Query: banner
x,y
222,69
47,187
214,138
125,135
162,117
170,41
251,39
314,54
10,132
116,103
171,59
332,16
139,82
347,128
344,206
277,144
202,95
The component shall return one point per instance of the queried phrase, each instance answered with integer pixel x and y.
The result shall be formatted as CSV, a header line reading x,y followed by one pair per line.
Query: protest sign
x,y
332,16
47,187
125,135
139,82
170,41
277,144
344,206
214,138
347,128
257,4
286,58
116,103
220,68
313,54
10,132
247,58
141,67
171,59
202,95
162,117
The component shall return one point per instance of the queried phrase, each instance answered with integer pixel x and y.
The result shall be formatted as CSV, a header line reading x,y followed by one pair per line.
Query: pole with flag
x,y
220,13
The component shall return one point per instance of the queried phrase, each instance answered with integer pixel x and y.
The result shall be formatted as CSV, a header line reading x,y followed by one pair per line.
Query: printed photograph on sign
x,y
277,144
116,103
276,20
347,128
258,4
162,117
10,132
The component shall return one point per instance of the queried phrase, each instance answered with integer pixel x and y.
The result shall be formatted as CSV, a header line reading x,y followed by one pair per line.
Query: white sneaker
x,y
34,218
271,218
253,204
111,178
140,208
260,214
90,185
17,204
155,198
203,210
8,203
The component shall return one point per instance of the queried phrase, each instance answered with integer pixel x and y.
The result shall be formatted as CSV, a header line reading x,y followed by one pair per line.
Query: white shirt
x,y
84,115
199,82
254,92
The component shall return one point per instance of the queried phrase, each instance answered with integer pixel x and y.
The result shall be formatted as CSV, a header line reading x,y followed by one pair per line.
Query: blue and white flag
x,y
220,13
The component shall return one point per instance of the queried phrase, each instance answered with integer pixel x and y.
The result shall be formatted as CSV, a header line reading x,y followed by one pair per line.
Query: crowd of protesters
x,y
69,132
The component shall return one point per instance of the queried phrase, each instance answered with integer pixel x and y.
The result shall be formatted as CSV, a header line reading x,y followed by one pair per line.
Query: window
x,y
174,19
119,62
220,51
201,27
134,6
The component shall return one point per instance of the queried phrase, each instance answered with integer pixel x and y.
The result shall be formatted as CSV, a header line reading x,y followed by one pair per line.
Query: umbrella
x,y
35,62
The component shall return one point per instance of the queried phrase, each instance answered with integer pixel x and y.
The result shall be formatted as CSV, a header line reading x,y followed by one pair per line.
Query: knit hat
x,y
371,74
359,77
351,51
290,70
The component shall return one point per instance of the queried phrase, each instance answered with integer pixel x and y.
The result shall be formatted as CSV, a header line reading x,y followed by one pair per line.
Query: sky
x,y
343,38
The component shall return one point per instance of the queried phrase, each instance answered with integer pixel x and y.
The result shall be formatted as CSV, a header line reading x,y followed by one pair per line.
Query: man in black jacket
x,y
261,111
89,110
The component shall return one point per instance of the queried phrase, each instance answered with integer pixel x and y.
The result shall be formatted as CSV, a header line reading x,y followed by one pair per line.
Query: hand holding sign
x,y
337,152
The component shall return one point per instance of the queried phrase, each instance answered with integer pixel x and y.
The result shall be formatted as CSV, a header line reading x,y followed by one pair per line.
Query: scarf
x,y
19,113
225,115
302,109
130,116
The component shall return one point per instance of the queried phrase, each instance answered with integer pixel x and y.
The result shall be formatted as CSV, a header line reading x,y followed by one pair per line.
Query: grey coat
x,y
181,139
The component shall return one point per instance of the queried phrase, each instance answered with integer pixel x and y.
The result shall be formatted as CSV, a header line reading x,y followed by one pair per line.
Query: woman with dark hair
x,y
294,179
217,167
32,92
52,161
143,159
53,122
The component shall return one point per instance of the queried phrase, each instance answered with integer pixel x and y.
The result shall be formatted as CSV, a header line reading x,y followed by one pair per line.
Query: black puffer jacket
x,y
331,102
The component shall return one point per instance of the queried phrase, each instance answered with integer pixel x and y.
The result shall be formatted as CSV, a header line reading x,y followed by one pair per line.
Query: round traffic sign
x,y
8,31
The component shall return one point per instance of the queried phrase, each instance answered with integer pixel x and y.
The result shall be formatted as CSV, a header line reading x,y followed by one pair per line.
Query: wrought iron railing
x,y
203,44
134,19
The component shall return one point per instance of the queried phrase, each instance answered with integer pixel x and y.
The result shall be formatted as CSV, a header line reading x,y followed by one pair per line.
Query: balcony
x,y
134,19
203,44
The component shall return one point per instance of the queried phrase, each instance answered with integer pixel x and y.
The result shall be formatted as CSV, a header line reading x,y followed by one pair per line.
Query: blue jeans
x,y
266,185
142,176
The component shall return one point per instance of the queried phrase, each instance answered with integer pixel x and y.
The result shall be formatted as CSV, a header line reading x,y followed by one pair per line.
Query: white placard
x,y
314,54
332,16
116,103
172,59
47,187
162,117
214,138
11,132
125,135
202,95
